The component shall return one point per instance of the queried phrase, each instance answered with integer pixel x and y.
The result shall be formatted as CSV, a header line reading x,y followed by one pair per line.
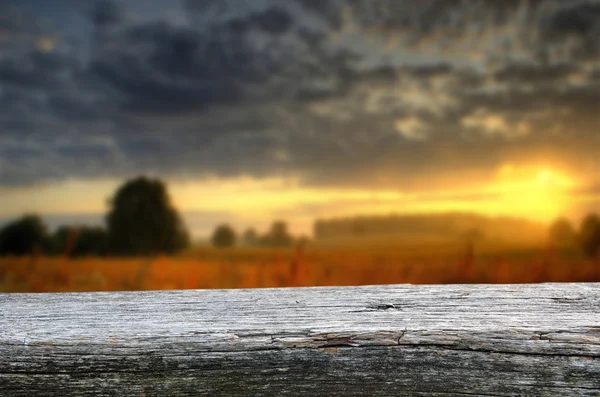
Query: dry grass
x,y
252,268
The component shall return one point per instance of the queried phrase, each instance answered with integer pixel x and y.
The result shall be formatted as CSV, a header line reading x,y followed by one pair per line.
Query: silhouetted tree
x,y
24,236
278,235
250,237
142,220
562,232
64,239
91,241
589,235
80,241
224,236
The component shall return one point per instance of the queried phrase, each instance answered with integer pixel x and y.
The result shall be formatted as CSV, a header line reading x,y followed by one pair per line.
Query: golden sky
x,y
539,193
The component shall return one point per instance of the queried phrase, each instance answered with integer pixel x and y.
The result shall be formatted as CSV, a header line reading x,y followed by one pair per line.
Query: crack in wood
x,y
401,335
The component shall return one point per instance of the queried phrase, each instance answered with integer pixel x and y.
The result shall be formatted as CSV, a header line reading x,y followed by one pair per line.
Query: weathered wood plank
x,y
452,340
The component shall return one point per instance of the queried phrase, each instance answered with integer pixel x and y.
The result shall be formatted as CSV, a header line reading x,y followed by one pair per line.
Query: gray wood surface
x,y
400,340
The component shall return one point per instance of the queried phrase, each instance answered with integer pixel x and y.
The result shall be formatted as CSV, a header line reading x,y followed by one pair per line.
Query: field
x,y
342,264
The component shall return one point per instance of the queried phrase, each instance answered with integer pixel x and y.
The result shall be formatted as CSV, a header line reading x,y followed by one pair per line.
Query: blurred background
x,y
269,143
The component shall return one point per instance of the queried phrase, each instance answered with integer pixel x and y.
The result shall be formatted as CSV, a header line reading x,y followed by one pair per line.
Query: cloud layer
x,y
355,92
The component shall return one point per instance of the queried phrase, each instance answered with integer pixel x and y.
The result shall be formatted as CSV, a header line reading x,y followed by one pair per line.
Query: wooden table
x,y
394,340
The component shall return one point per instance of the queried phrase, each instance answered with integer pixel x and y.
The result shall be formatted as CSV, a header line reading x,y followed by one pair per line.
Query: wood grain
x,y
396,340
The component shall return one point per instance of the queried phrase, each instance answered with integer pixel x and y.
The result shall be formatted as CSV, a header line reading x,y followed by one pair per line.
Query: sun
x,y
540,193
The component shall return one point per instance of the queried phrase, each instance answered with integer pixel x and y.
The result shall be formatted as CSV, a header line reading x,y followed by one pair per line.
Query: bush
x,y
278,236
562,232
250,237
589,235
24,236
224,236
80,241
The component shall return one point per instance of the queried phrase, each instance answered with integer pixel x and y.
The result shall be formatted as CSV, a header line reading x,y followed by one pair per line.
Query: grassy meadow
x,y
337,263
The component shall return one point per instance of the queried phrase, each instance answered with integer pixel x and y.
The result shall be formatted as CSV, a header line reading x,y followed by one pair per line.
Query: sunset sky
x,y
253,110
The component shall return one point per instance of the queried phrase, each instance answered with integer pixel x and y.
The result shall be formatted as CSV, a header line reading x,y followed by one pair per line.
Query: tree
x,y
24,236
224,236
64,240
278,235
561,232
80,241
589,235
91,241
250,236
142,220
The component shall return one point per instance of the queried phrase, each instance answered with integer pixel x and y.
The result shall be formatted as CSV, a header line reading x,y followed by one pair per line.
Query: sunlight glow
x,y
539,193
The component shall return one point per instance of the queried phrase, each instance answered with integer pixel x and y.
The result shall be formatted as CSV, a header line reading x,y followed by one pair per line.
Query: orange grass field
x,y
206,268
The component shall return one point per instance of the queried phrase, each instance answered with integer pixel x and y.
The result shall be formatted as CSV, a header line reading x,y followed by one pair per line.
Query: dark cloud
x,y
17,26
536,73
339,92
582,19
183,68
429,71
418,20
36,70
328,10
274,20
171,75
579,21
106,13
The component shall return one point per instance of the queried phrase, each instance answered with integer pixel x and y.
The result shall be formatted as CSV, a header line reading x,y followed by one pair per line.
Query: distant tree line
x,y
29,234
141,221
277,236
462,226
465,227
